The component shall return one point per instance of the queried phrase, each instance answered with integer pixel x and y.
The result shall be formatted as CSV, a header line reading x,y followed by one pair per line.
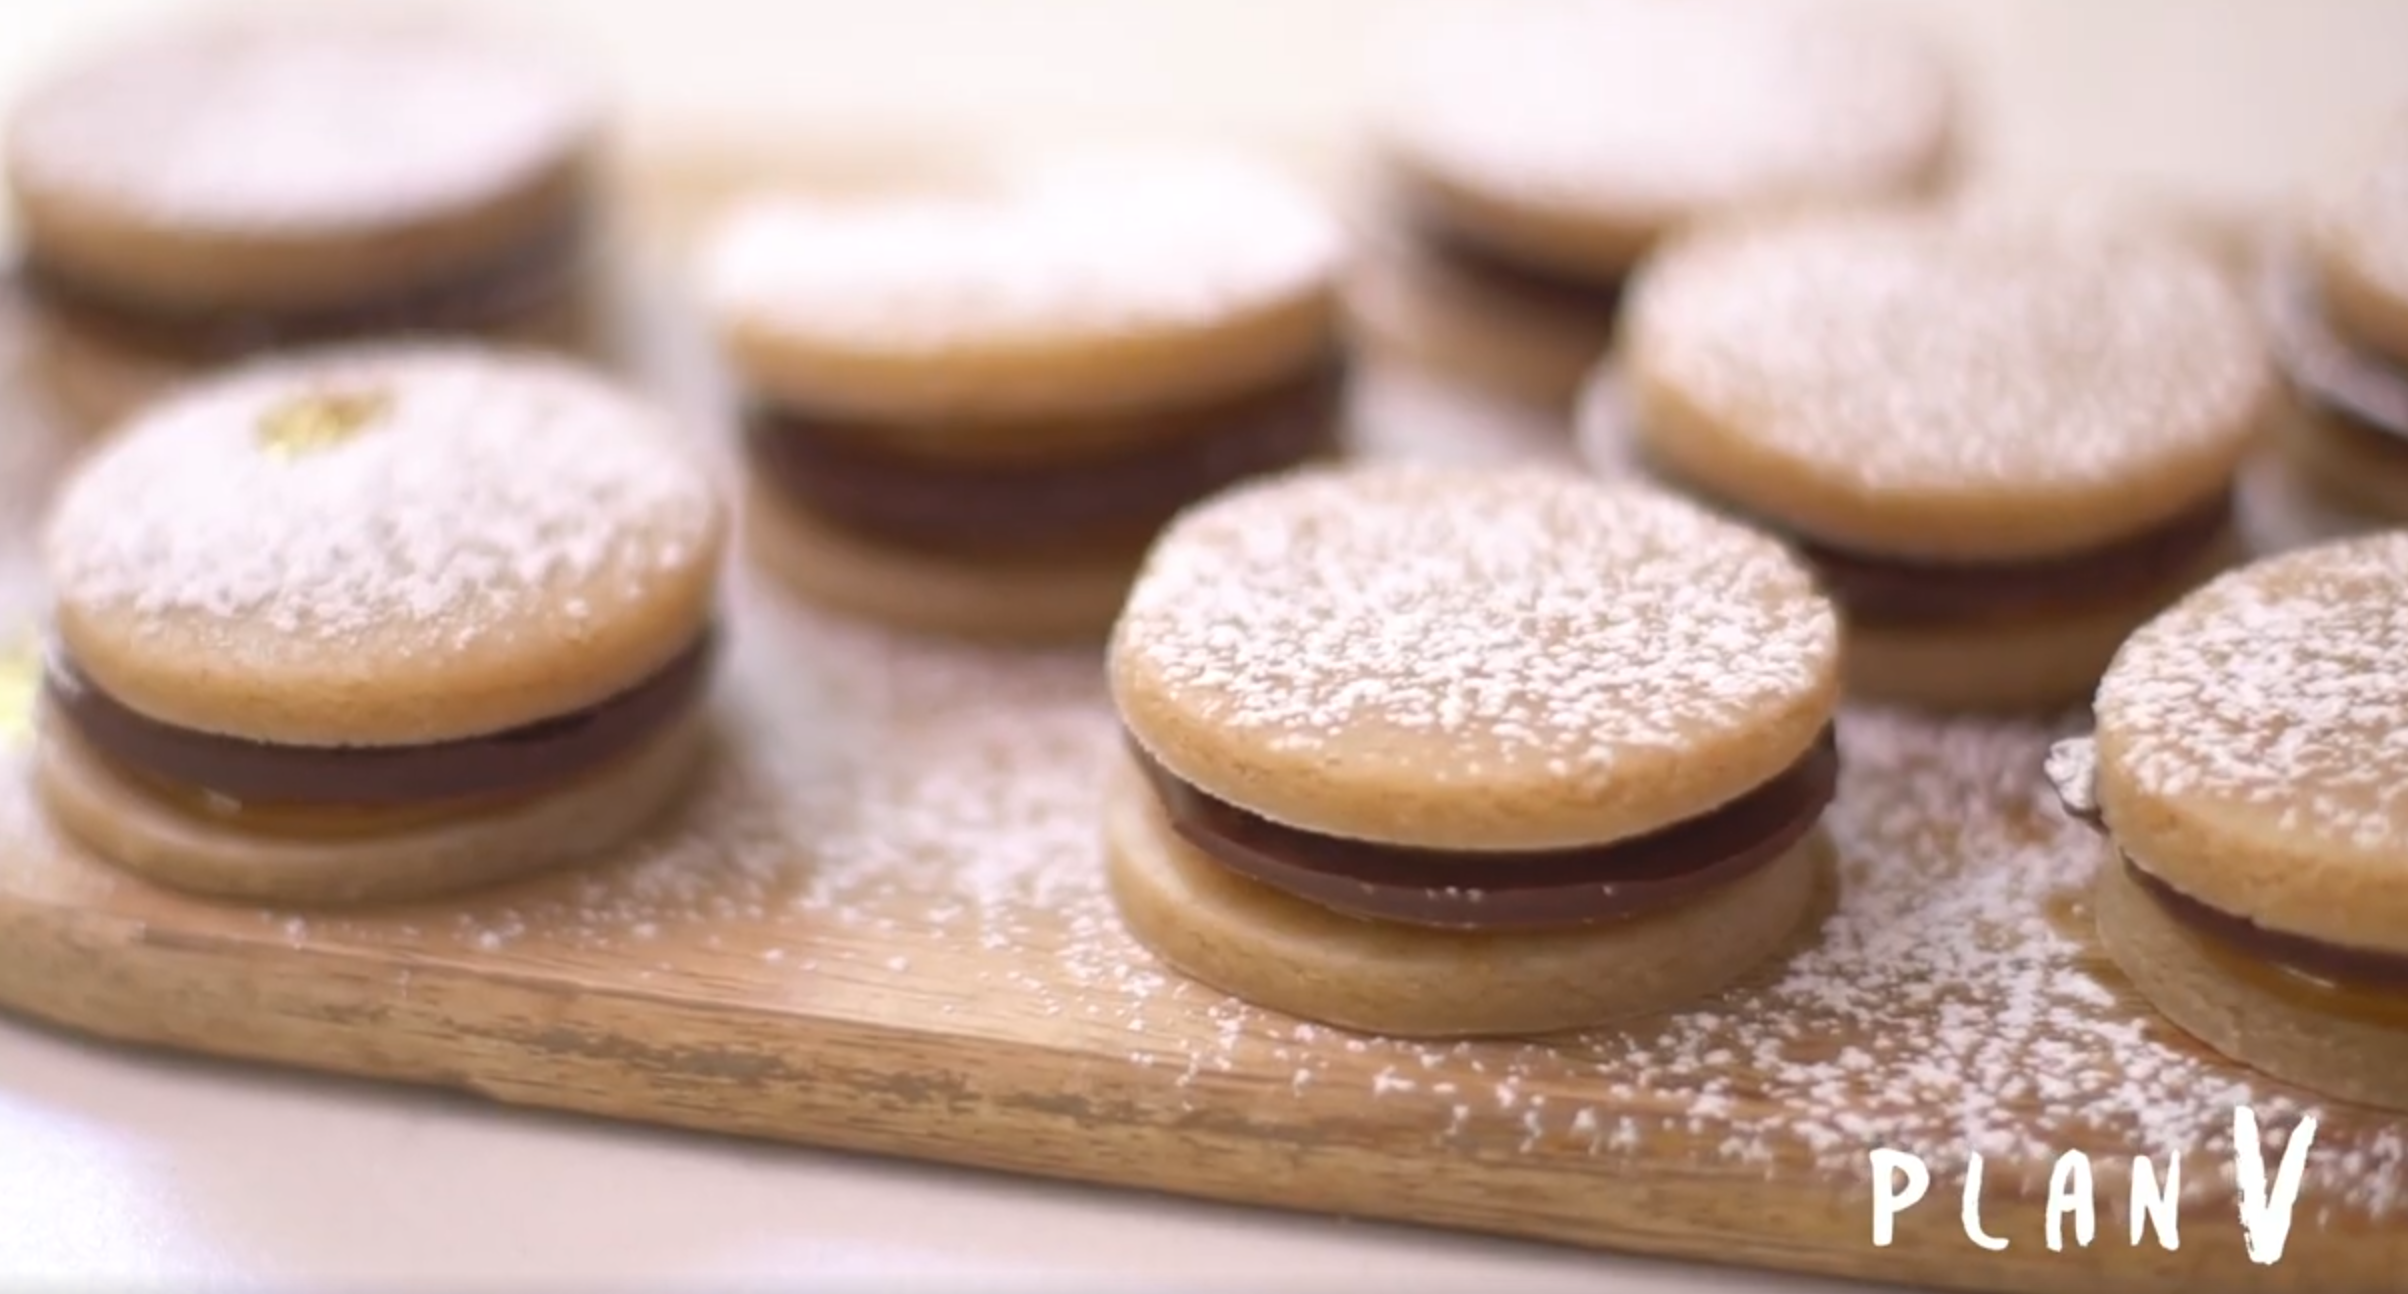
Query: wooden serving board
x,y
881,926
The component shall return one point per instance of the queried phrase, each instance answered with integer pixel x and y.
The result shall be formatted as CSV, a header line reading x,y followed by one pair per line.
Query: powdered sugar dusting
x,y
2278,685
486,486
1526,614
301,119
1922,352
1667,107
1097,243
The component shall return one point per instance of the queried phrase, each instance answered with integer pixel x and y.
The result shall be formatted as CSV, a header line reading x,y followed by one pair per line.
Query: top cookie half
x,y
1069,287
298,158
2253,744
1472,660
384,546
1963,384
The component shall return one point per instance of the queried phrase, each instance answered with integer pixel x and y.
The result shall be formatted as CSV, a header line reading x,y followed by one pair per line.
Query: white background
x,y
119,1170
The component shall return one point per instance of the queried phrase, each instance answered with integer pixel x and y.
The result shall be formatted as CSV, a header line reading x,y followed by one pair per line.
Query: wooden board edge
x,y
867,1088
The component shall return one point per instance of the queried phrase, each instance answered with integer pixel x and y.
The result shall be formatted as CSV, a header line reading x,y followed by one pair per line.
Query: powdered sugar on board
x,y
1055,248
2277,688
455,493
1648,110
1964,353
1523,615
301,120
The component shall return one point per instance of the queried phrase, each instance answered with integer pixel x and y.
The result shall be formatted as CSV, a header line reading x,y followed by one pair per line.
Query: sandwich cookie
x,y
374,624
2002,442
970,411
2249,769
2337,313
243,184
1532,157
1441,751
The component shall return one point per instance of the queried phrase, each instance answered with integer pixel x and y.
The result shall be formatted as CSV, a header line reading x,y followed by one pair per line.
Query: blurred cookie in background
x,y
1527,158
970,410
2002,440
2335,294
248,183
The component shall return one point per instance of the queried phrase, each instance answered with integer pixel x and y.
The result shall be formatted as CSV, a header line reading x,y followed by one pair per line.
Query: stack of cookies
x,y
1531,156
377,624
2249,769
1449,751
252,183
968,413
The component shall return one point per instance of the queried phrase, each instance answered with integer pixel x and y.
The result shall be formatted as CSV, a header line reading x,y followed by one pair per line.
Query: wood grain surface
x,y
880,926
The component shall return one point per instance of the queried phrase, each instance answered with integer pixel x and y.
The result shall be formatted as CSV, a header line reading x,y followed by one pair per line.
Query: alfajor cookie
x,y
1427,750
2003,441
245,183
1530,156
2248,767
970,411
371,624
2336,304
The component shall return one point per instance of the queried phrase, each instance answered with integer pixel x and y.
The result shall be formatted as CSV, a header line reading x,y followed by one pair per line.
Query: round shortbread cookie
x,y
297,158
2357,234
1471,659
1577,134
1085,286
2356,1060
181,850
1446,323
1057,597
384,546
1281,952
1945,385
2251,744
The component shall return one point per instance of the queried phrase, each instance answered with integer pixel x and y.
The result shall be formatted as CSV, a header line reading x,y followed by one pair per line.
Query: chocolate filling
x,y
510,285
2365,394
2316,958
519,761
1901,592
840,472
1892,591
1521,890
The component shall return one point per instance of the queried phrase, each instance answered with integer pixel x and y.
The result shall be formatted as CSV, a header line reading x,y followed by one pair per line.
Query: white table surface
x,y
122,1170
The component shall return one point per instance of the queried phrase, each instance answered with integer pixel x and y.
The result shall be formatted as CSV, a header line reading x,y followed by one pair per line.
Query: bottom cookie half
x,y
2035,664
1000,598
181,849
2253,1018
1258,944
